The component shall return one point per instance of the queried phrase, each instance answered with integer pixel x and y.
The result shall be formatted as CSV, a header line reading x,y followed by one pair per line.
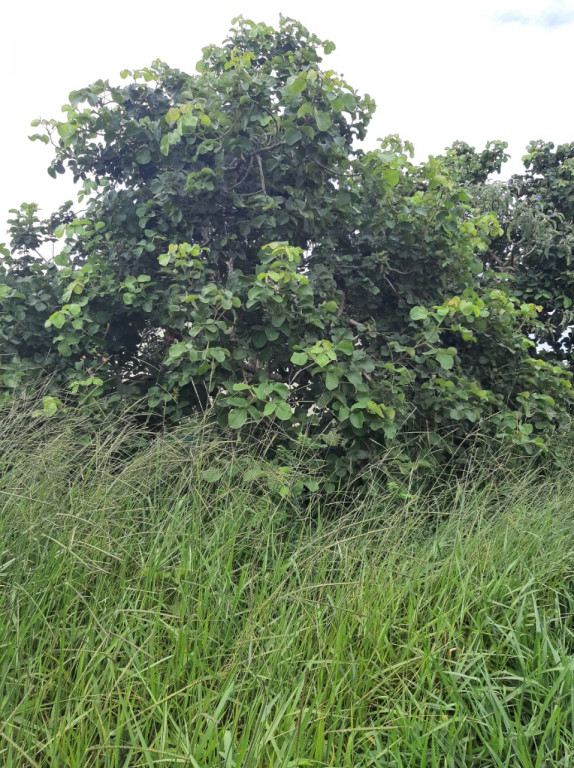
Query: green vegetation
x,y
233,245
149,616
285,473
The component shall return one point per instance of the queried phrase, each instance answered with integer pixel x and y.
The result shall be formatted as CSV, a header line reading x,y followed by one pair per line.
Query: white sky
x,y
439,70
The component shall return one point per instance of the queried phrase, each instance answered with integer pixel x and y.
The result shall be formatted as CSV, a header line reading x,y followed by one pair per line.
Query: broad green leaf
x,y
296,87
271,333
445,360
172,115
283,411
237,417
212,475
343,413
218,354
292,136
177,350
143,156
390,430
349,101
391,177
239,402
343,197
346,347
331,381
299,358
323,120
57,319
418,313
355,379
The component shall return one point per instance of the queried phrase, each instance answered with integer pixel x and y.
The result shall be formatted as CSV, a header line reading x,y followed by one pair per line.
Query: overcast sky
x,y
439,70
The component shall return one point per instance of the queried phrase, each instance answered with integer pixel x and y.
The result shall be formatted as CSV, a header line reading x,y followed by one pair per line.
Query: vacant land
x,y
155,612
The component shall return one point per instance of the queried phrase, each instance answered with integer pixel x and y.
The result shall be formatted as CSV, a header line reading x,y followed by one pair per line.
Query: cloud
x,y
554,16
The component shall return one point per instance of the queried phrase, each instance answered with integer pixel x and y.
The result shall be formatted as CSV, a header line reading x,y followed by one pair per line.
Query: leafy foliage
x,y
237,249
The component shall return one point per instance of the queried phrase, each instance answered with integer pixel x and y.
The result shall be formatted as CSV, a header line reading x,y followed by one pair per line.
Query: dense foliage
x,y
235,247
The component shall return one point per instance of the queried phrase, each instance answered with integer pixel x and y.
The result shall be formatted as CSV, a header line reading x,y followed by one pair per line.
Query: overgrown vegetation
x,y
271,488
151,617
232,245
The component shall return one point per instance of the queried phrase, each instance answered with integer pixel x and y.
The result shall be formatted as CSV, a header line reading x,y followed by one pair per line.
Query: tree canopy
x,y
234,247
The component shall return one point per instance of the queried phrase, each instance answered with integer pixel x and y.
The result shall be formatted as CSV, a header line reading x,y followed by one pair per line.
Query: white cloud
x,y
551,15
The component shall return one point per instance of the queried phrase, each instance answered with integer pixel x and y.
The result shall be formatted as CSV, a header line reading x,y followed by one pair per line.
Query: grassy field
x,y
152,617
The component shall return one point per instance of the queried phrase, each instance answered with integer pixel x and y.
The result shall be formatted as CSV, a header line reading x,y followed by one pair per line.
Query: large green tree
x,y
232,246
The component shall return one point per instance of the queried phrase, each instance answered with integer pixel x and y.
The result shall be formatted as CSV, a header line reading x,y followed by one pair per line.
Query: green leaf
x,y
299,358
296,87
343,197
283,411
445,360
177,350
292,136
212,475
271,333
237,417
389,430
357,419
331,381
343,413
346,347
269,409
355,378
143,156
57,319
323,120
349,101
218,354
164,144
391,177
418,313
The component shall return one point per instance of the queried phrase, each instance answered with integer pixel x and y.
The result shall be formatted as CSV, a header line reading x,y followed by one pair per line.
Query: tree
x,y
237,249
535,210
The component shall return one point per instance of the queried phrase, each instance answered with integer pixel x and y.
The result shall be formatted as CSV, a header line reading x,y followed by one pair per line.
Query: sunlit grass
x,y
152,617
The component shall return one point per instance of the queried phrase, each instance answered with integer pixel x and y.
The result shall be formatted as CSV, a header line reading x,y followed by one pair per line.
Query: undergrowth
x,y
186,604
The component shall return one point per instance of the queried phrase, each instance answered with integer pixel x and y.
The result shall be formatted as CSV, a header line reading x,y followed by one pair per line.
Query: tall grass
x,y
151,616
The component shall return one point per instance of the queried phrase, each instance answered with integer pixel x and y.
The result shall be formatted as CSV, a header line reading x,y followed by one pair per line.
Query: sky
x,y
439,71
